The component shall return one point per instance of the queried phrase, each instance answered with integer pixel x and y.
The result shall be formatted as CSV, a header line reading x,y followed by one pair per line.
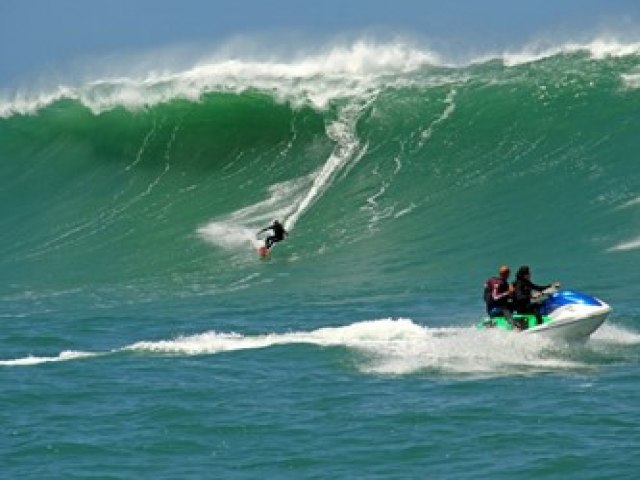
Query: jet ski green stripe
x,y
502,323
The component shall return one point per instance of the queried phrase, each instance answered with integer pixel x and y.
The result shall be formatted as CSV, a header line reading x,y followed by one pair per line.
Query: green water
x,y
142,335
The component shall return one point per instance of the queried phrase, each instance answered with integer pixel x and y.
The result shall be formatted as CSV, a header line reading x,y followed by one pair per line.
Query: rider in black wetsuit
x,y
524,290
278,233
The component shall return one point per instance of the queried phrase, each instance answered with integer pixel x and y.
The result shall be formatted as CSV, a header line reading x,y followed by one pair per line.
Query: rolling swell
x,y
407,181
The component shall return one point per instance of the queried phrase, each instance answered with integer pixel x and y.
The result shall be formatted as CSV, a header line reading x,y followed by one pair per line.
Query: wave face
x,y
395,174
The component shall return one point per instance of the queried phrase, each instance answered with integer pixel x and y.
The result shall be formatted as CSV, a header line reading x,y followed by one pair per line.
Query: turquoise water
x,y
143,337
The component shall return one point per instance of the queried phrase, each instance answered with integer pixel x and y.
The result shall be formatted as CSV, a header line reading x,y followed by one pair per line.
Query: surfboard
x,y
263,251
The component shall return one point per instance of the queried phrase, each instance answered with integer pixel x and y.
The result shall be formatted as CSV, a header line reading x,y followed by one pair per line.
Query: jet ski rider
x,y
525,292
497,295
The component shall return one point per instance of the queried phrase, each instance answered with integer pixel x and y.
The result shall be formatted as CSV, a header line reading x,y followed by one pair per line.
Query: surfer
x,y
278,234
498,295
525,292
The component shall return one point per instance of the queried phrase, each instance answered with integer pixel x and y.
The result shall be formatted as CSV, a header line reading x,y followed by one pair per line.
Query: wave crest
x,y
312,78
315,79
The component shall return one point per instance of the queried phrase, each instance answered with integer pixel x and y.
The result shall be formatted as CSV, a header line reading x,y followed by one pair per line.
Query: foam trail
x,y
229,235
450,107
395,347
33,360
392,347
142,148
289,200
342,131
238,229
424,135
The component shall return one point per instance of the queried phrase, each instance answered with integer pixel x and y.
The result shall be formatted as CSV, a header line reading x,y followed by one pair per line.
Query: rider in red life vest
x,y
498,294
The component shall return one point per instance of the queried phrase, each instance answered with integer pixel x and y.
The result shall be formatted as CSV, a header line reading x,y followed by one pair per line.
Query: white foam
x,y
632,202
632,244
392,347
616,334
33,360
239,228
631,80
307,77
598,49
342,131
229,235
627,245
314,79
450,107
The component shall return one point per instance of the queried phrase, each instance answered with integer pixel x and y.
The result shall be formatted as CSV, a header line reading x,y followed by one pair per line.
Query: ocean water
x,y
142,337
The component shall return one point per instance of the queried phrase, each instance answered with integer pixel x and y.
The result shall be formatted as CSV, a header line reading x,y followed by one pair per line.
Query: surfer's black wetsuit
x,y
278,234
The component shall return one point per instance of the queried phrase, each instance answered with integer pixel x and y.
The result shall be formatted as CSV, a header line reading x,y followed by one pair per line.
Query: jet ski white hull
x,y
572,323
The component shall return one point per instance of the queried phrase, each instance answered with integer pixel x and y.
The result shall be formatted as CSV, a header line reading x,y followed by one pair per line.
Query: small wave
x,y
625,246
598,49
632,202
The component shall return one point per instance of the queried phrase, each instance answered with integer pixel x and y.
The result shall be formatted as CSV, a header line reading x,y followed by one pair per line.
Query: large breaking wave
x,y
368,145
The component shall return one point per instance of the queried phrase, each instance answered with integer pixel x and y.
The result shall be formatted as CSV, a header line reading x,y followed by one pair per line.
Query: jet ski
x,y
567,315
